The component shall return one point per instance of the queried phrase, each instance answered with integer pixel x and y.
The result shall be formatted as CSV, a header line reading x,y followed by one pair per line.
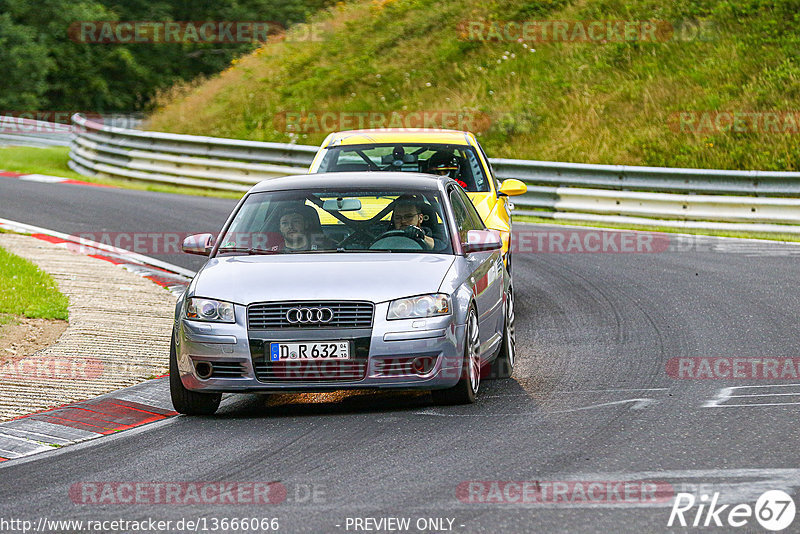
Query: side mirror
x,y
482,241
513,187
198,244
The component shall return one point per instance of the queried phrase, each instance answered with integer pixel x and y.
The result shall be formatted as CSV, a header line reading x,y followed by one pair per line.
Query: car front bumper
x,y
237,355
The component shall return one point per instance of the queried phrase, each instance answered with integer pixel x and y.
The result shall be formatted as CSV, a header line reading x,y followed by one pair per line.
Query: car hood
x,y
335,276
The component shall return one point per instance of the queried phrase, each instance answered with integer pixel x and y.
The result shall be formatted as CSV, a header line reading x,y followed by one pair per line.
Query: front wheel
x,y
185,401
466,390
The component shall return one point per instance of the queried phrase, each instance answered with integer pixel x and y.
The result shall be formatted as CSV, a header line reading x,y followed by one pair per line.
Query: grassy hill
x,y
618,101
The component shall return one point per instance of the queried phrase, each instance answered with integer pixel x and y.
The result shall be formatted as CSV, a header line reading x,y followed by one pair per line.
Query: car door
x,y
495,283
485,271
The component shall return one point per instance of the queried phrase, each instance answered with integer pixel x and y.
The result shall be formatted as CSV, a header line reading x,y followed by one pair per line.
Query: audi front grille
x,y
302,371
321,314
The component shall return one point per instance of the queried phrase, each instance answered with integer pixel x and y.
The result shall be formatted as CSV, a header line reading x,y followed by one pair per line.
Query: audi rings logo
x,y
309,315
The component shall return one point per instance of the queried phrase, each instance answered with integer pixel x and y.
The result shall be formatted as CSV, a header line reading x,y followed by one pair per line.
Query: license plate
x,y
318,350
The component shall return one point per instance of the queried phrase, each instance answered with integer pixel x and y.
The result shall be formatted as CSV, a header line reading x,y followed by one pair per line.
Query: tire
x,y
503,365
183,400
466,390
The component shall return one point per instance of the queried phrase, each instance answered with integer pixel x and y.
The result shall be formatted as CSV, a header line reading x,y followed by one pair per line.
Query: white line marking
x,y
638,405
42,178
722,395
767,395
9,455
725,394
767,386
753,404
34,436
581,391
26,447
21,440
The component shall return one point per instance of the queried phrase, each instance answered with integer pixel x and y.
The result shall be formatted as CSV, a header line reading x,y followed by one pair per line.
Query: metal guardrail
x,y
187,160
749,201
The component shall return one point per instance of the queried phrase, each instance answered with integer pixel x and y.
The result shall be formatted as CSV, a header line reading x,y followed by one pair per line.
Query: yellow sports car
x,y
441,152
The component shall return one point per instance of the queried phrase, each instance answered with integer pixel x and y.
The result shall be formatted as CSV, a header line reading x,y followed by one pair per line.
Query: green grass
x,y
28,291
7,318
32,160
611,103
53,161
664,229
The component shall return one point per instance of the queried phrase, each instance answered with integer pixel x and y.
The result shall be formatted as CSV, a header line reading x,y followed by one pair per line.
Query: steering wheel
x,y
357,232
393,233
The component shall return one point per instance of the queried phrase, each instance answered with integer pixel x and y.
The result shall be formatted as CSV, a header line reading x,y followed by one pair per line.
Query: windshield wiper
x,y
368,250
248,250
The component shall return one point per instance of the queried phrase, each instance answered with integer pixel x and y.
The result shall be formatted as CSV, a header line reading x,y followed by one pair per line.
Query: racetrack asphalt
x,y
591,401
115,214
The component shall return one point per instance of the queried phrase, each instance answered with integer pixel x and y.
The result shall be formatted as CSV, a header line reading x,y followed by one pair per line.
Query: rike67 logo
x,y
774,510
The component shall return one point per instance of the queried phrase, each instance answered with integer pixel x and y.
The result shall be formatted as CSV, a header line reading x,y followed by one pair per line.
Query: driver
x,y
445,163
407,216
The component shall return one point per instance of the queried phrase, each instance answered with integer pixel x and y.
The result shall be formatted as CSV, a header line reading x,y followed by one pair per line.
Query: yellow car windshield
x,y
457,161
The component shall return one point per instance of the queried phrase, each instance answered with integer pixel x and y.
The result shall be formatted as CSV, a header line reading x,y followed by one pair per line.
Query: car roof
x,y
398,135
400,181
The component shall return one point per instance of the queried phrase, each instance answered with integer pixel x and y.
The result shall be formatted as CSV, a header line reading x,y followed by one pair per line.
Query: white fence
x,y
750,201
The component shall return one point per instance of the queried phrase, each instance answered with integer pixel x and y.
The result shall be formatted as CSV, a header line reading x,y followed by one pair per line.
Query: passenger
x,y
297,228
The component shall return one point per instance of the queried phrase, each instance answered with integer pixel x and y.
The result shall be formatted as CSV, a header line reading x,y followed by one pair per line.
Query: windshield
x,y
457,161
288,222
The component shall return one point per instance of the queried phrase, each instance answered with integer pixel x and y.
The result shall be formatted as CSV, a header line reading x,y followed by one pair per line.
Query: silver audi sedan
x,y
342,281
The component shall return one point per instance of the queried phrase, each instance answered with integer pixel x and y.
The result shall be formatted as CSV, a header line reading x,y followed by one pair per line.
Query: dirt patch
x,y
21,337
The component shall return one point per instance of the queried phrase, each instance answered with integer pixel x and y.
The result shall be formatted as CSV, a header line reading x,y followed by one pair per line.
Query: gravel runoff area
x,y
118,333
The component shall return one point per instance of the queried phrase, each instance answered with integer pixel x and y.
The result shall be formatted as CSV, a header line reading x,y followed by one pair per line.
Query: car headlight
x,y
210,310
421,306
